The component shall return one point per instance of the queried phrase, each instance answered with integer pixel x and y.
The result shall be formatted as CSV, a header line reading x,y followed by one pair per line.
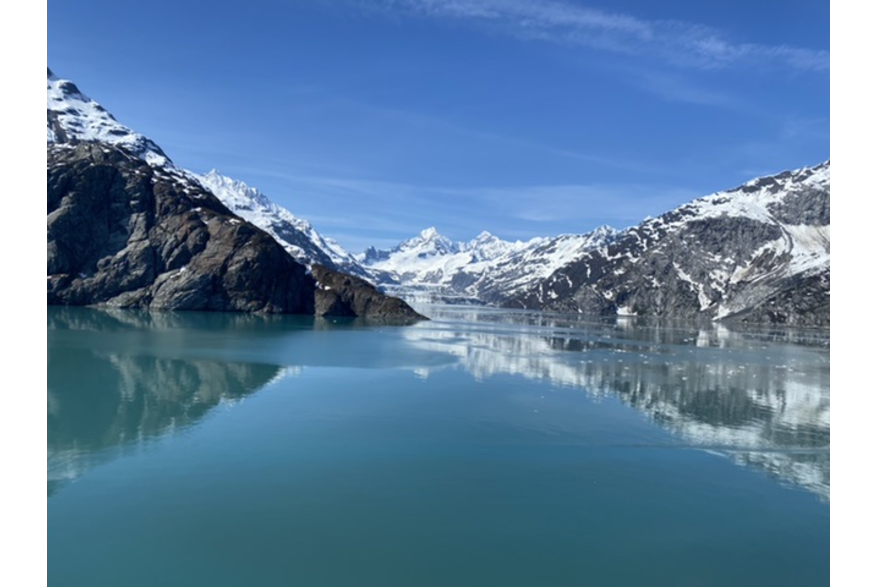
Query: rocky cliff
x,y
124,233
757,253
127,228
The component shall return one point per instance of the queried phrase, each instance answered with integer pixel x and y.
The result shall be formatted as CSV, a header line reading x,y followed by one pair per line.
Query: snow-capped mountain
x,y
127,228
517,270
484,270
430,258
760,252
72,116
296,235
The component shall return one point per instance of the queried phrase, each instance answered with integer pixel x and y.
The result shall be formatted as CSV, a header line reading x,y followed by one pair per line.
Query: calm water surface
x,y
480,448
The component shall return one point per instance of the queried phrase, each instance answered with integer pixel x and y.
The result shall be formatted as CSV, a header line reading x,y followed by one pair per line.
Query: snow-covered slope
x,y
485,269
72,116
296,235
760,251
518,270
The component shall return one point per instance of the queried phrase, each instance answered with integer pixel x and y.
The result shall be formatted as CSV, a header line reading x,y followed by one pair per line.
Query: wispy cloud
x,y
675,88
798,128
678,43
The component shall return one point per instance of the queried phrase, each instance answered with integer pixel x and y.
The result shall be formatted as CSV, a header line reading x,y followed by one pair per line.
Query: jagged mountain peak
x,y
604,231
429,233
487,246
484,237
429,242
432,235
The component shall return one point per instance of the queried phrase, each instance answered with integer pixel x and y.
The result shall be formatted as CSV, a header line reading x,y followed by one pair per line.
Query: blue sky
x,y
376,119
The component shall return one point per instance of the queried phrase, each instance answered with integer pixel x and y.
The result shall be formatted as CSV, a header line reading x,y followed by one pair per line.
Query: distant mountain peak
x,y
484,236
432,235
604,229
429,242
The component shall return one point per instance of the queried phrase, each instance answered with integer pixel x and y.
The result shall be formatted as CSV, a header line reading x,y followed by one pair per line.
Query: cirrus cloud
x,y
679,43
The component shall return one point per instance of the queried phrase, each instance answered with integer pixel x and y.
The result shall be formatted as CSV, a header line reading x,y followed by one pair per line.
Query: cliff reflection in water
x,y
759,396
117,379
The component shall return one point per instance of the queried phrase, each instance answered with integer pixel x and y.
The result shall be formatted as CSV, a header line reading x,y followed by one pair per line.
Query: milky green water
x,y
480,448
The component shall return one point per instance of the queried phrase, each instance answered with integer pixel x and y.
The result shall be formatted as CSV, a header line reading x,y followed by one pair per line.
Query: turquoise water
x,y
480,448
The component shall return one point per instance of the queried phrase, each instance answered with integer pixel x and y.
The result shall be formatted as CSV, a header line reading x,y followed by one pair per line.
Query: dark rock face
x,y
338,294
805,301
126,234
122,233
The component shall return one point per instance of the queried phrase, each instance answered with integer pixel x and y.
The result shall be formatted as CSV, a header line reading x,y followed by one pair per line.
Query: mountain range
x,y
483,270
757,253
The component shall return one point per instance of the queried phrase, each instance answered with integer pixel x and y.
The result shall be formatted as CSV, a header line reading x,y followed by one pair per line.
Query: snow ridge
x,y
296,235
72,116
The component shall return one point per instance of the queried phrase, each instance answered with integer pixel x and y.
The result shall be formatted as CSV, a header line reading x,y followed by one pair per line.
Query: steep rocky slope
x,y
124,233
760,252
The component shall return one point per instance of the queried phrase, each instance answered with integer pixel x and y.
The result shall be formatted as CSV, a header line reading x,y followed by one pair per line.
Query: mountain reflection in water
x,y
759,396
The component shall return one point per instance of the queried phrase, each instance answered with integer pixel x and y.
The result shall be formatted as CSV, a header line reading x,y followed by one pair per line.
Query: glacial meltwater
x,y
482,448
